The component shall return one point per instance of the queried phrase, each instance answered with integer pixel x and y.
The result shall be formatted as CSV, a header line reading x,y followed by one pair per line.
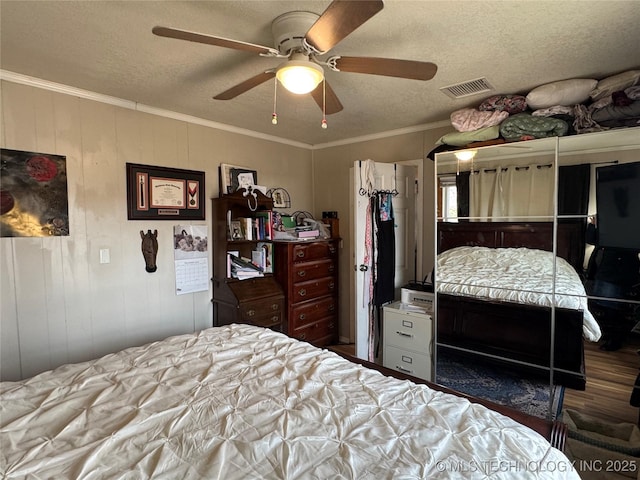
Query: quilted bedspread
x,y
242,402
519,275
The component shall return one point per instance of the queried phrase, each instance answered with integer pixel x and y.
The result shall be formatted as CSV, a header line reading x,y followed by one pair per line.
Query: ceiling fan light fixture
x,y
300,76
465,155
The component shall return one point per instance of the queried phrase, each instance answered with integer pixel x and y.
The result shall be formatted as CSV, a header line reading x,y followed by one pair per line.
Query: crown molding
x,y
119,102
388,133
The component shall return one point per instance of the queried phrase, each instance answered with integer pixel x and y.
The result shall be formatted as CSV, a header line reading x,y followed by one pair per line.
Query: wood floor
x,y
610,380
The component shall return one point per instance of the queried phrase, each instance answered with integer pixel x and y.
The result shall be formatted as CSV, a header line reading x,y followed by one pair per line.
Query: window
x,y
447,198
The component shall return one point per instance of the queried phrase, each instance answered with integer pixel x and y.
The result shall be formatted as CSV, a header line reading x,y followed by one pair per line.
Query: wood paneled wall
x,y
58,303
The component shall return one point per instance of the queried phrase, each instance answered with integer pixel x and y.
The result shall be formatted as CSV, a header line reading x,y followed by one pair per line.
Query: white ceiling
x,y
107,47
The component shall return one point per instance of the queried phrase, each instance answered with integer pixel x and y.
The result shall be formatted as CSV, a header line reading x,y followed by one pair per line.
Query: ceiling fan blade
x,y
245,86
211,40
332,105
385,66
340,19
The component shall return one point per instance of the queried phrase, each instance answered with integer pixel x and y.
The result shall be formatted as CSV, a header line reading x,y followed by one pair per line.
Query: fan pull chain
x,y
274,115
324,104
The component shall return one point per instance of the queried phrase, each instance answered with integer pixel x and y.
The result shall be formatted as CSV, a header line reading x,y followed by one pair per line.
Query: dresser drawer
x,y
312,270
325,328
307,312
313,251
304,291
406,330
412,363
264,313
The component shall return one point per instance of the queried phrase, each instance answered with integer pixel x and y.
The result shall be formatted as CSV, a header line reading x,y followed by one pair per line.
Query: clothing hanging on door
x,y
379,248
384,289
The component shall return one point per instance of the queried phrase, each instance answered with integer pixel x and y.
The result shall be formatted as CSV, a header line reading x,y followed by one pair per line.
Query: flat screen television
x,y
618,205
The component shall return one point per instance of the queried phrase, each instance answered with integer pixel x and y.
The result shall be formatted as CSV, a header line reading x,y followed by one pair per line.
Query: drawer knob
x,y
302,292
302,273
331,268
331,325
303,336
300,254
275,307
275,318
302,316
332,285
251,313
332,249
332,307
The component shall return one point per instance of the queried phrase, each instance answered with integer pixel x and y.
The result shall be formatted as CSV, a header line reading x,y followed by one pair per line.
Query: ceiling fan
x,y
302,37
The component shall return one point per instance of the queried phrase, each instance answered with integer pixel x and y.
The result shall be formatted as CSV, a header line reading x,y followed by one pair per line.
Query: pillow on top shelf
x,y
562,92
614,83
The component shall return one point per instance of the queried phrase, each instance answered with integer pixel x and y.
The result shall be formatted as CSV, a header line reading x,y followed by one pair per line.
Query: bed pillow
x,y
563,92
614,83
460,139
511,104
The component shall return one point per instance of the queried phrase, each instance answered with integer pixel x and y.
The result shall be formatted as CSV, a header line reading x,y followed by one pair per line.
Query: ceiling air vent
x,y
465,89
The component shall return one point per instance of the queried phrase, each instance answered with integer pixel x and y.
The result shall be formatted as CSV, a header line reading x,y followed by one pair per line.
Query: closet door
x,y
391,177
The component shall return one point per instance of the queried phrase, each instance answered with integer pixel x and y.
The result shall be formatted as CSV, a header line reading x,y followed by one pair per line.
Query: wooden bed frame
x,y
510,332
553,430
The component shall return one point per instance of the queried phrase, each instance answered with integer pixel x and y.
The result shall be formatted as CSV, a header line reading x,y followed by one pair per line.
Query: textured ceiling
x,y
107,47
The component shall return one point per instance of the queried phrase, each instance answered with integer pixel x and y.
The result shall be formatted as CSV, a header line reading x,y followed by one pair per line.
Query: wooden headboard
x,y
538,235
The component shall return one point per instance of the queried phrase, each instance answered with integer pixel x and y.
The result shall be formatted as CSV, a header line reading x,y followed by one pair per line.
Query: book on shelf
x,y
246,223
229,253
266,256
242,268
244,275
259,258
308,233
265,225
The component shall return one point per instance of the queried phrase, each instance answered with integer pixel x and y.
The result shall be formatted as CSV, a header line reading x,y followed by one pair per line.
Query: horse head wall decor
x,y
149,249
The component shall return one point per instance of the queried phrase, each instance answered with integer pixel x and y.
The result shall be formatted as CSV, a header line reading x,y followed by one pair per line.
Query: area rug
x,y
499,384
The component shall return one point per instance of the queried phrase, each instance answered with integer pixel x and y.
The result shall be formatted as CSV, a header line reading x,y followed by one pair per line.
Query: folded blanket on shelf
x,y
524,126
615,112
470,119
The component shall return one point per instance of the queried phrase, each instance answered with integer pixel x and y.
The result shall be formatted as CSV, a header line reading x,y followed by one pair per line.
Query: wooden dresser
x,y
308,274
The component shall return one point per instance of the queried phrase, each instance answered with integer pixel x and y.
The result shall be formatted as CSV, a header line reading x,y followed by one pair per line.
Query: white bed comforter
x,y
241,402
519,275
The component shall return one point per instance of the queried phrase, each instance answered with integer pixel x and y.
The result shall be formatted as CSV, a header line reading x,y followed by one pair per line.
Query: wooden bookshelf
x,y
257,300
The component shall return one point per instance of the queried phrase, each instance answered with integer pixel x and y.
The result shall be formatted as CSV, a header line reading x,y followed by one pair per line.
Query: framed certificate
x,y
159,193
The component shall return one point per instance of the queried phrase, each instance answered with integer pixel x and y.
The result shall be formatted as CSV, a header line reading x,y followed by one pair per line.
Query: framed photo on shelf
x,y
235,230
159,193
233,177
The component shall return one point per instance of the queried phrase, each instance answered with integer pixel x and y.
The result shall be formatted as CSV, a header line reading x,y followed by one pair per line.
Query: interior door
x,y
391,177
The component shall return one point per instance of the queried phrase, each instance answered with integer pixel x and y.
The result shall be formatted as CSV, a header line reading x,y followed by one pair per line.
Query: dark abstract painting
x,y
33,194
